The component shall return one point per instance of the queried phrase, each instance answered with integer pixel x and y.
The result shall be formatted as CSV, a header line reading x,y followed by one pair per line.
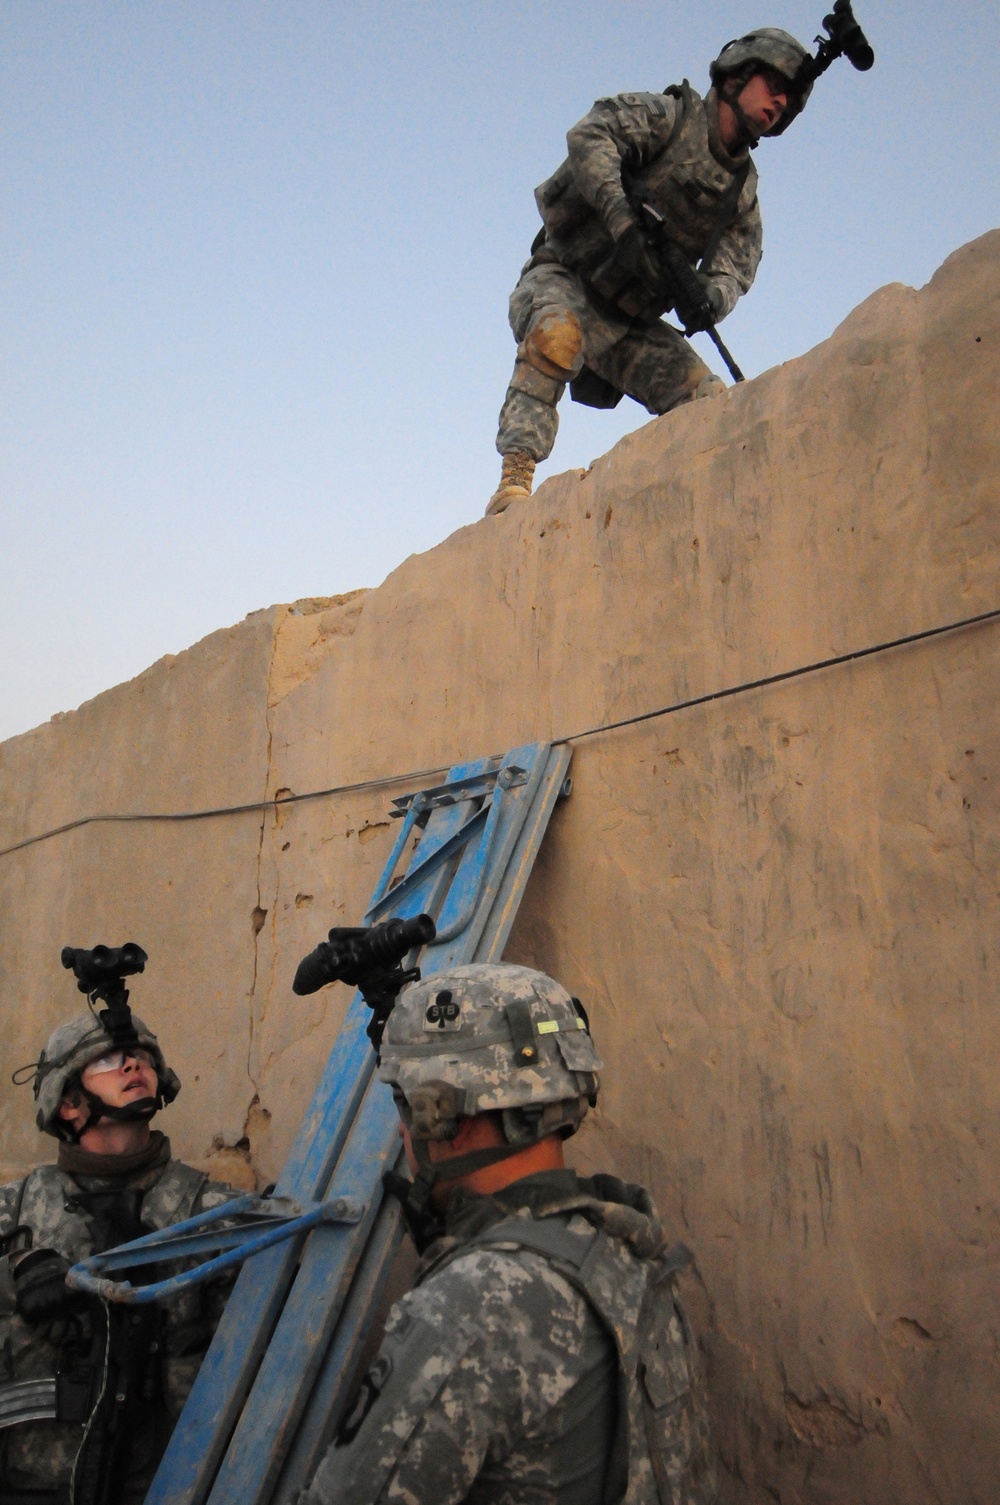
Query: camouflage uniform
x,y
671,142
79,1214
542,1359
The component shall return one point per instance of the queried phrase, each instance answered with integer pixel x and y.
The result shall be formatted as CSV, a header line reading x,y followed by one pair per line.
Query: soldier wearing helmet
x,y
543,1352
89,1394
587,309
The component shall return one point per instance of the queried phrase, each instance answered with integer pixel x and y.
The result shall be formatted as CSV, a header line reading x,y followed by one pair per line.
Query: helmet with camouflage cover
x,y
490,1038
72,1047
767,47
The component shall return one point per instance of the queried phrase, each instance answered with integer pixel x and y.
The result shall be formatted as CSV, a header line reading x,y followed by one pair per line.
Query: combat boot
x,y
516,475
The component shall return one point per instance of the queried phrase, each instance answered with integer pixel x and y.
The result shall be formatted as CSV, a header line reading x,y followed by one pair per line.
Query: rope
x,y
592,731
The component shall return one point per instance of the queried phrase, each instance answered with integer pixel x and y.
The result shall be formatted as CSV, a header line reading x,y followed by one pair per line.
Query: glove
x,y
702,305
716,297
40,1286
693,304
635,258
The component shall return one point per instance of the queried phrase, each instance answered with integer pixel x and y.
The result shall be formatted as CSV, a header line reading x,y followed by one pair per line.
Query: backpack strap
x,y
682,94
574,1256
578,1257
550,1237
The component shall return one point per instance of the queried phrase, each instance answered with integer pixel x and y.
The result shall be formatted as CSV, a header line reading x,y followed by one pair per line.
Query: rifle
x,y
679,278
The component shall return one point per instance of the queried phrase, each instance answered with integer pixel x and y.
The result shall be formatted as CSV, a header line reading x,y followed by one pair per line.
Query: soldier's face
x,y
119,1078
764,98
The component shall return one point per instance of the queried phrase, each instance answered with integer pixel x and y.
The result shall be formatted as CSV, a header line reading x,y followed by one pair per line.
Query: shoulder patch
x,y
412,1370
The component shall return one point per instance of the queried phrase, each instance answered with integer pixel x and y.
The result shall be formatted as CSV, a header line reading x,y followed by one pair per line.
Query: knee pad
x,y
554,344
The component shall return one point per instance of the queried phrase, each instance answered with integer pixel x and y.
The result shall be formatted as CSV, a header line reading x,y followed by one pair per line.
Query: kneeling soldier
x,y
543,1353
587,308
117,1376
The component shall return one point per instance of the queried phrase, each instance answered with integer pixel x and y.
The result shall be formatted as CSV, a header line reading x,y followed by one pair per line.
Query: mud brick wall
x,y
780,909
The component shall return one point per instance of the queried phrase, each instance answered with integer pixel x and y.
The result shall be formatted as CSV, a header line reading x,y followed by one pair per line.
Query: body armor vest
x,y
662,1453
54,1206
686,182
109,1362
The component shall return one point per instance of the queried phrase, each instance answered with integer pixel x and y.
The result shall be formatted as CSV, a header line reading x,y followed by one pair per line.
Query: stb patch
x,y
443,1013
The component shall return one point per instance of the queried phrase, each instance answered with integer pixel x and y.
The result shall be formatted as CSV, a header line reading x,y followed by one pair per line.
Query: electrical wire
x,y
97,1404
776,679
271,804
415,775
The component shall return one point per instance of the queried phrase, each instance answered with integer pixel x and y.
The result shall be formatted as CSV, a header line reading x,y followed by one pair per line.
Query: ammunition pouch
x,y
561,205
593,391
617,284
127,1391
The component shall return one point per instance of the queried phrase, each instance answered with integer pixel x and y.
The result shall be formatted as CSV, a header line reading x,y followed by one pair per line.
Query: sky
x,y
256,260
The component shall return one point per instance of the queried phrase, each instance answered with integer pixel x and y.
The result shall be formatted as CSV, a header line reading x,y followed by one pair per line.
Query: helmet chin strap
x,y
751,133
138,1112
415,1195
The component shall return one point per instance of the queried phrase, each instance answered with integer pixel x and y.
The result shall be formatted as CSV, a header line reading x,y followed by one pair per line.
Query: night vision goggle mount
x,y
844,39
100,973
370,960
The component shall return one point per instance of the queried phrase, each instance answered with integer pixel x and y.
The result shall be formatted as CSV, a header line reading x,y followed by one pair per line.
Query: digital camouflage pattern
x,y
520,1375
73,1046
671,143
773,48
60,1210
651,361
457,1030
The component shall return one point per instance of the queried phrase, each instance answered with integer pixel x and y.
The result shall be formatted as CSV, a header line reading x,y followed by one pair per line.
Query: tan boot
x,y
516,475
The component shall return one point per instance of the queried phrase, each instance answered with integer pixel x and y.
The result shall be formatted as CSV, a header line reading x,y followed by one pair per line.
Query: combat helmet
x,y
768,47
73,1046
479,1039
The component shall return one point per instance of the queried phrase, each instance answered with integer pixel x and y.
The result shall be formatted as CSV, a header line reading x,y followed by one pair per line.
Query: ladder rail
x,y
338,1374
274,1382
228,1370
334,1383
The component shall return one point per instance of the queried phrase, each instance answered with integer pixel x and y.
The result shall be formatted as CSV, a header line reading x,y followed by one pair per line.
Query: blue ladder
x,y
270,1393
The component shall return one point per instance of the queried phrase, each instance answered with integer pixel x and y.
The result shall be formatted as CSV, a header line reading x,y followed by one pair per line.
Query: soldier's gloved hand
x,y
714,294
40,1286
636,258
694,306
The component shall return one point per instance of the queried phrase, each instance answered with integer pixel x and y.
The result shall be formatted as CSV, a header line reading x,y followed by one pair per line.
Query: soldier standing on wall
x,y
587,308
543,1352
89,1394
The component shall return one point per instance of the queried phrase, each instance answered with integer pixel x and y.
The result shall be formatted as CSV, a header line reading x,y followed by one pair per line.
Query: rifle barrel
x,y
720,346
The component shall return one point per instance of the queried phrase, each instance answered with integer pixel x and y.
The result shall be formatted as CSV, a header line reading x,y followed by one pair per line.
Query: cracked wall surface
x,y
780,909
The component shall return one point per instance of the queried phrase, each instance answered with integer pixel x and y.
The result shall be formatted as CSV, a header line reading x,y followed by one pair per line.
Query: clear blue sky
x,y
256,260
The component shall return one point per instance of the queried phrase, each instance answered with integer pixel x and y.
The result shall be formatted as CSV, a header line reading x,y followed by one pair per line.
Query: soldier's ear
x,y
71,1107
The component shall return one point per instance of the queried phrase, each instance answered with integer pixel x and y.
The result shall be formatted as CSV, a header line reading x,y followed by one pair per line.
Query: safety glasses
x,y
115,1060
